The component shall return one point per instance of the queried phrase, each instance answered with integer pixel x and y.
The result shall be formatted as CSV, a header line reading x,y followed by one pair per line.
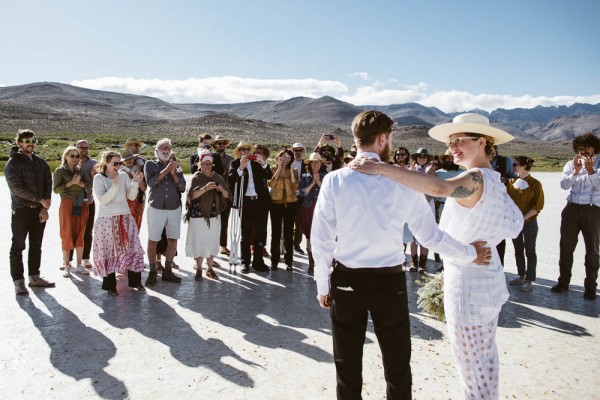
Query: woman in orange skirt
x,y
71,182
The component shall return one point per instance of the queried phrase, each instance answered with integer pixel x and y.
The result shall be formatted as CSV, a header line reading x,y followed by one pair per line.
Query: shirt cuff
x,y
323,287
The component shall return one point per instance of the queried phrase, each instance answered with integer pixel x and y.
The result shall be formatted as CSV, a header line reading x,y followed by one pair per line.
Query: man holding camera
x,y
333,156
205,141
254,170
581,214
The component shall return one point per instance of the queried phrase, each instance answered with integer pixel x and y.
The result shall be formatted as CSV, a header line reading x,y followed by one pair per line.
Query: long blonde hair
x,y
69,149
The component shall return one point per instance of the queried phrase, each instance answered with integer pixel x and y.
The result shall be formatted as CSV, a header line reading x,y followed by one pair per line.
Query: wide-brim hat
x,y
313,157
421,152
298,145
221,138
127,155
469,123
131,141
242,143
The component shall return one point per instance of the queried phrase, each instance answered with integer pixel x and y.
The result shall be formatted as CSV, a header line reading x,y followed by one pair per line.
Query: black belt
x,y
379,270
581,205
251,197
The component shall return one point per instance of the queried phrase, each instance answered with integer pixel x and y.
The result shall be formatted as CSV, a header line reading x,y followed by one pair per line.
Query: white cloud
x,y
362,75
226,89
230,89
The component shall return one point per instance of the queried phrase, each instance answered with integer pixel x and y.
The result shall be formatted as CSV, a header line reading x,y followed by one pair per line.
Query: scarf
x,y
209,204
520,184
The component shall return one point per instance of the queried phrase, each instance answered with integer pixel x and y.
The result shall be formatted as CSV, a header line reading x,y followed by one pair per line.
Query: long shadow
x,y
155,319
75,349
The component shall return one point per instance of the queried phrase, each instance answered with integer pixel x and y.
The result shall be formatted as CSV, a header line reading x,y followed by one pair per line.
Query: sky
x,y
454,55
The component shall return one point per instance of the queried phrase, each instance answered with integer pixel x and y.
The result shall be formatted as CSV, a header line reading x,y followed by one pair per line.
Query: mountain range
x,y
57,107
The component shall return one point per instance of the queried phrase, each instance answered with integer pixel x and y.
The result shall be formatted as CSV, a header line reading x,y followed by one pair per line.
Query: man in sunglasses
x,y
333,156
205,141
581,177
30,183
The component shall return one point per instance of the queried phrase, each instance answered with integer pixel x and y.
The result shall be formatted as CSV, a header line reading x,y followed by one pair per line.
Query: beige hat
x,y
242,143
221,138
131,141
469,123
313,157
126,155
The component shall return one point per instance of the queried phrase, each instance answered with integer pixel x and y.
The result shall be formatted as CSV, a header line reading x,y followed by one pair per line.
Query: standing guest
x,y
402,160
332,156
117,246
166,183
581,177
528,195
478,208
284,186
132,166
421,162
504,166
205,142
136,206
206,200
299,150
221,161
255,201
357,229
88,164
265,153
30,183
72,183
313,172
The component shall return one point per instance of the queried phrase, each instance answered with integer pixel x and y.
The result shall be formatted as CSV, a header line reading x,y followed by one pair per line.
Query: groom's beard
x,y
385,153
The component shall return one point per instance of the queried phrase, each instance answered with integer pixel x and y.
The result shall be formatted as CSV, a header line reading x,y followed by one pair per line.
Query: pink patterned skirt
x,y
117,246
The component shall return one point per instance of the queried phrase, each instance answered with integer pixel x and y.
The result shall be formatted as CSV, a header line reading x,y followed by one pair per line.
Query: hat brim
x,y
236,151
443,132
309,161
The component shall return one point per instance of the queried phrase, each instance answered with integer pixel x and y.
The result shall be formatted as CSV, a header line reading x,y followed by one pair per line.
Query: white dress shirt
x,y
583,188
251,189
359,221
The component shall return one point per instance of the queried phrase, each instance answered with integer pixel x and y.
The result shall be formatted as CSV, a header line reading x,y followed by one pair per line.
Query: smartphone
x,y
252,157
330,137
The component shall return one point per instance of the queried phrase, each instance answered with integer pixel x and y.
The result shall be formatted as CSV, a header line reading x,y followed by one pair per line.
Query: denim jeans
x,y
26,221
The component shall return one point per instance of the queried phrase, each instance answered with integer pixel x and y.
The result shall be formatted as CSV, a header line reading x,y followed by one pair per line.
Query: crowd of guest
x,y
282,190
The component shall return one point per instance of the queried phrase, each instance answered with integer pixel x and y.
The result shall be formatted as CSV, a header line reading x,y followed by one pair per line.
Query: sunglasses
x,y
207,146
459,141
298,150
220,143
421,156
117,163
244,148
73,155
27,141
83,148
401,154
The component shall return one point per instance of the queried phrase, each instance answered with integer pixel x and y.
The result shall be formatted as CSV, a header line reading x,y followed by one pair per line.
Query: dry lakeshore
x,y
263,336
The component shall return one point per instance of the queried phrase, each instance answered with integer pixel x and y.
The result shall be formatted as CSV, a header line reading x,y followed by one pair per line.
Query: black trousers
x,y
26,221
109,282
501,248
577,218
254,216
524,245
354,295
286,215
224,226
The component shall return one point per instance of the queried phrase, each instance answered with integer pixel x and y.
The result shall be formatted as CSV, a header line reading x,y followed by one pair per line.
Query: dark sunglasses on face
x,y
220,143
207,146
515,165
117,163
401,154
73,155
298,150
27,141
244,148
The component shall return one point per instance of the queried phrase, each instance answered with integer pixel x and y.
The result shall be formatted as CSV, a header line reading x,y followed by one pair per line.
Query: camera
x,y
252,157
330,136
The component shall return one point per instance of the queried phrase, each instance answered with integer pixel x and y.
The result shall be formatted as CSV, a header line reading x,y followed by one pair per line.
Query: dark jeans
x,y
524,245
297,228
26,221
254,215
286,215
354,295
88,235
224,226
109,282
577,218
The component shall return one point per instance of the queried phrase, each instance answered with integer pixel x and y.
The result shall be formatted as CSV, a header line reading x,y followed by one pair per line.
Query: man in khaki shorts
x,y
165,183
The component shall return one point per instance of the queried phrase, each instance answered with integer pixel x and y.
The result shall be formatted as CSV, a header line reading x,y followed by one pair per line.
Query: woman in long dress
x,y
478,208
206,200
117,246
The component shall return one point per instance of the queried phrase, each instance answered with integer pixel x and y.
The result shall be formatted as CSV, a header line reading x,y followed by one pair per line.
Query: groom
x,y
357,230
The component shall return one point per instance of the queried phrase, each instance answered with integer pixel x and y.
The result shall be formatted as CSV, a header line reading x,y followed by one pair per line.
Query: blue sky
x,y
455,55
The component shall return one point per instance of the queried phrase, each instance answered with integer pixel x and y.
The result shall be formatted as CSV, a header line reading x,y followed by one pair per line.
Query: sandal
x,y
210,273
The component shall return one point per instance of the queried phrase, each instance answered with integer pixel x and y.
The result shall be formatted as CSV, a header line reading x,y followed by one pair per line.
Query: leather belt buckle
x,y
251,197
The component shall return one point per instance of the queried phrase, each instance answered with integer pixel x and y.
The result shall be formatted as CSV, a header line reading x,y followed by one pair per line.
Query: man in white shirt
x,y
358,229
298,149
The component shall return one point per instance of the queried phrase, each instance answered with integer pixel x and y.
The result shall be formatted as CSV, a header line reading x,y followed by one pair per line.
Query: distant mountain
x,y
60,107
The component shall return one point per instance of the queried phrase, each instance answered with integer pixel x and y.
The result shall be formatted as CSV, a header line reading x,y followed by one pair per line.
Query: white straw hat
x,y
469,123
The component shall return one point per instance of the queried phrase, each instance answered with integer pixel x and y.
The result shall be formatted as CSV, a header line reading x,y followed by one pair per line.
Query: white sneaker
x,y
81,270
87,263
62,267
526,287
67,271
517,282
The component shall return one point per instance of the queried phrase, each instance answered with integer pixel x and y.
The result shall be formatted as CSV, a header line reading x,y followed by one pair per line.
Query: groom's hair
x,y
368,125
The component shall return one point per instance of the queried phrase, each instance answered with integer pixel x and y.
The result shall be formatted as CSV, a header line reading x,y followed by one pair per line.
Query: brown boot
x,y
414,264
422,263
